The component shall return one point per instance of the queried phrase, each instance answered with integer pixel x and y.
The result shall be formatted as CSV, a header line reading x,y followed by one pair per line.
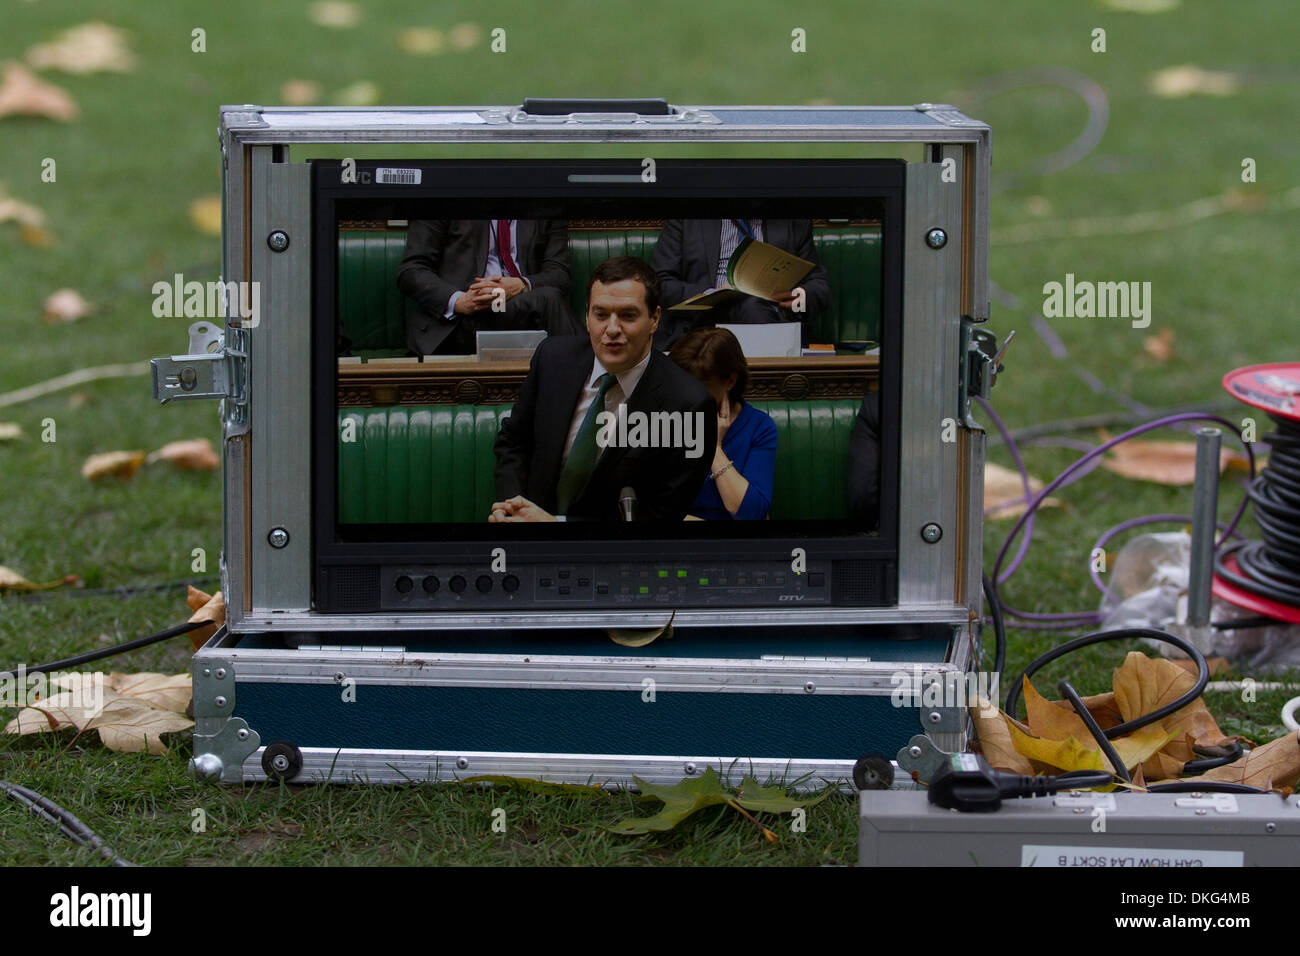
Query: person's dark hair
x,y
627,267
713,355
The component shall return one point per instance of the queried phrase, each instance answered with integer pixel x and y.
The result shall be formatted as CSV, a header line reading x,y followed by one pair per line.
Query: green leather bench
x,y
434,463
373,311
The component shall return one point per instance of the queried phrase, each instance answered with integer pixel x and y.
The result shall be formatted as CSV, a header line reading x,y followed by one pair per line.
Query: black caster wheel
x,y
282,760
873,772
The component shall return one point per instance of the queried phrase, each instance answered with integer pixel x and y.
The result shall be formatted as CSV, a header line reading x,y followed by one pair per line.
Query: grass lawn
x,y
144,148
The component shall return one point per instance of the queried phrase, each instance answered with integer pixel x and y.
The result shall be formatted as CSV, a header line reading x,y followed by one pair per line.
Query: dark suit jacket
x,y
686,259
530,444
445,255
864,462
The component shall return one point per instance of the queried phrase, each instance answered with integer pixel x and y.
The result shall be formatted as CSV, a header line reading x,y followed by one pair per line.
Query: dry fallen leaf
x,y
129,727
335,13
994,739
210,609
422,41
196,454
300,92
1142,6
1178,81
11,580
10,431
88,48
162,691
1101,706
364,93
23,93
122,464
205,214
25,214
66,305
1161,345
1164,462
37,236
465,36
1002,486
1273,766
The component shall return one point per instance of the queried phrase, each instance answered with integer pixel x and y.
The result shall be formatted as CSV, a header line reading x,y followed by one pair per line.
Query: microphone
x,y
627,503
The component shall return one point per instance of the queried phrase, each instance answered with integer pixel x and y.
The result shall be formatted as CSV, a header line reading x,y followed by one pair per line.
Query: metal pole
x,y
1205,509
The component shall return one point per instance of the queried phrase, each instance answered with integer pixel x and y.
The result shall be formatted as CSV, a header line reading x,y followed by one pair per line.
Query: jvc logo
x,y
75,909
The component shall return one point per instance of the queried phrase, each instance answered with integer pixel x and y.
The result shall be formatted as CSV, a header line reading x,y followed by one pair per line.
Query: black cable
x,y
1090,722
1244,623
1203,786
66,821
1123,633
999,626
89,656
1209,763
125,590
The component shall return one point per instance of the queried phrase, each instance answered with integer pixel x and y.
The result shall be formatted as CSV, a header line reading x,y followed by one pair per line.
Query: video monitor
x,y
680,374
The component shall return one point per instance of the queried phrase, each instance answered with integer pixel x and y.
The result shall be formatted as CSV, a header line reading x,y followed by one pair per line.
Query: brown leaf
x,y
212,611
1161,345
22,93
66,305
993,738
1101,706
1179,81
1002,485
195,454
1048,720
23,213
10,431
129,726
205,215
13,581
1217,665
37,236
1276,765
88,48
362,93
161,691
421,41
465,36
299,92
196,598
1164,462
123,464
337,14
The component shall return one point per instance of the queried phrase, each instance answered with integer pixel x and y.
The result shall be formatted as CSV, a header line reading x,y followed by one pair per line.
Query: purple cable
x,y
1062,479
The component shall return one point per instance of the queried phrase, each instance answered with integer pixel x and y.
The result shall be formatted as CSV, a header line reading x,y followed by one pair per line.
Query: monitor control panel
x,y
621,585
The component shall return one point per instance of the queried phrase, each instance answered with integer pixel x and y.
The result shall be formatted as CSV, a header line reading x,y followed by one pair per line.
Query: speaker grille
x,y
861,583
353,588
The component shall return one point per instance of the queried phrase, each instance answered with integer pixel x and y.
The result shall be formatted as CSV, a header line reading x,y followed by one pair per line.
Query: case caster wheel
x,y
281,760
873,772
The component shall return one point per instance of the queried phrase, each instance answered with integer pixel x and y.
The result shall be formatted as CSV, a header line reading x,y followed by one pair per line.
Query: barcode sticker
x,y
399,177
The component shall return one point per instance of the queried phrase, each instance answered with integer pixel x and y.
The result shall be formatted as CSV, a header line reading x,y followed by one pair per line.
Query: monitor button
x,y
816,579
602,588
430,584
565,589
484,583
510,584
403,584
457,583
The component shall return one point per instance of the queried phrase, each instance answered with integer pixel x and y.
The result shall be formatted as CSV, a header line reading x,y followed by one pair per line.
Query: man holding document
x,y
737,272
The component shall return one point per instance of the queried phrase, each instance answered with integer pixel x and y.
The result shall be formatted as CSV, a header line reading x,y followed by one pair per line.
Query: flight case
x,y
799,693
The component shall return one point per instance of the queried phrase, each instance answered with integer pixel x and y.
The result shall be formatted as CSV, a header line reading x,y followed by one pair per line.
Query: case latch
x,y
212,369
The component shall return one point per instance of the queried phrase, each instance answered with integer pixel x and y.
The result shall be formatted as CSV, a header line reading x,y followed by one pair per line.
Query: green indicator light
x,y
681,574
704,580
643,589
663,574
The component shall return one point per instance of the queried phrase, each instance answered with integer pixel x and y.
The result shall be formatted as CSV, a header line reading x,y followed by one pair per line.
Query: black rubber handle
x,y
560,106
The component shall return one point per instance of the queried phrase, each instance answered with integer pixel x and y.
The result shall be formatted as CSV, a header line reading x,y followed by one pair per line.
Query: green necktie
x,y
582,456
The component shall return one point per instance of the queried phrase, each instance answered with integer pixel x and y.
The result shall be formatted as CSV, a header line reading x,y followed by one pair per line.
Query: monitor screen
x,y
579,358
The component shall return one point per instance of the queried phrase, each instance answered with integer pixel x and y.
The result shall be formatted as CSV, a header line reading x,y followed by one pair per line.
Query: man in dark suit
x,y
692,255
552,461
864,463
461,272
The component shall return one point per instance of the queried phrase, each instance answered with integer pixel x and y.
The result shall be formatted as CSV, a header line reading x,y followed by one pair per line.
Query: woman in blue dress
x,y
740,482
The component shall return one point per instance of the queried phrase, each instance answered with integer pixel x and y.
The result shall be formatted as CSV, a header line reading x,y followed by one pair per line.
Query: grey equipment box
x,y
439,694
1083,829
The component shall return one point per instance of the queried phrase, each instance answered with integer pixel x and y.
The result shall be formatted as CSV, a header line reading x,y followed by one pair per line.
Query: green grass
x,y
144,148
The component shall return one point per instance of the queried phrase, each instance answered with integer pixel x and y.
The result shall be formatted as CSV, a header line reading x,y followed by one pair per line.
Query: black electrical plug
x,y
967,783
